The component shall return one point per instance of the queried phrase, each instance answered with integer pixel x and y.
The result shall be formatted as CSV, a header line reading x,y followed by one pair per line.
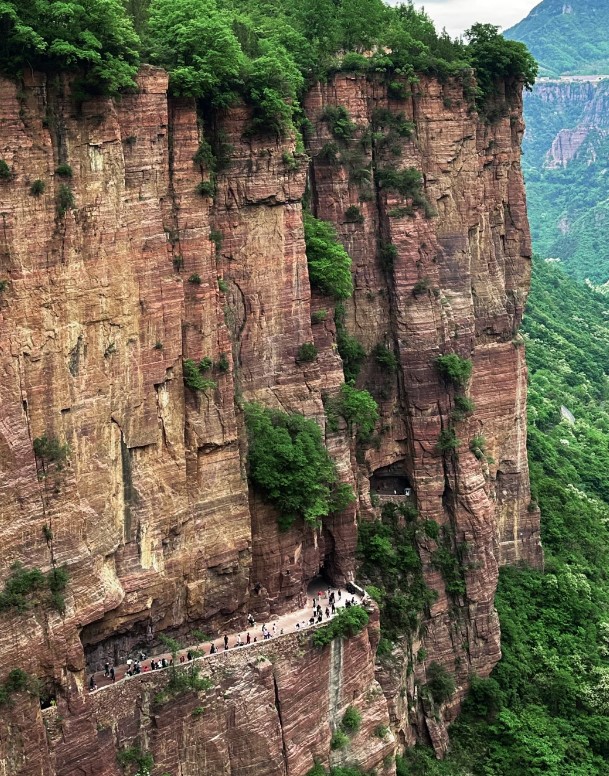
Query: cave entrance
x,y
391,483
318,583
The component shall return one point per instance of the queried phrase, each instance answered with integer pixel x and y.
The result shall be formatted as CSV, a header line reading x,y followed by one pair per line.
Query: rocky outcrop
x,y
152,516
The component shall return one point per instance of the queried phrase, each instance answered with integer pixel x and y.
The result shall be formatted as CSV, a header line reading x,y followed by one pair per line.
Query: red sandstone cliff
x,y
152,514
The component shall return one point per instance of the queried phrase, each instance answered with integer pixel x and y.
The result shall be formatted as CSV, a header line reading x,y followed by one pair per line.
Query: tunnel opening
x,y
392,483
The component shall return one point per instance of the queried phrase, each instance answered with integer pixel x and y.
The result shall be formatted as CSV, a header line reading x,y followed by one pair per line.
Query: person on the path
x,y
106,668
333,608
247,638
339,594
225,641
327,612
212,651
189,655
112,674
238,644
92,684
251,620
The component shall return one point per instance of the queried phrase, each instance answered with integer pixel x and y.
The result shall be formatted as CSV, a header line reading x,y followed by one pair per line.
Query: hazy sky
x,y
458,15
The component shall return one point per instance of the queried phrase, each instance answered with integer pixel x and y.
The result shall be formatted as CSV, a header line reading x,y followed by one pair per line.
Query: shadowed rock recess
x,y
110,288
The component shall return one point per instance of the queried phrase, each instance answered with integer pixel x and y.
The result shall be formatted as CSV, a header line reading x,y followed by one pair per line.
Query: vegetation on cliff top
x,y
545,709
263,52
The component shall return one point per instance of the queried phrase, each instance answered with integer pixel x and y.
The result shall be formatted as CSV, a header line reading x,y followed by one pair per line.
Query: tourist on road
x,y
225,641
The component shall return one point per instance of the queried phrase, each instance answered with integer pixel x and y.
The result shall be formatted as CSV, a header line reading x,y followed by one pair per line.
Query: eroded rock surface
x,y
152,514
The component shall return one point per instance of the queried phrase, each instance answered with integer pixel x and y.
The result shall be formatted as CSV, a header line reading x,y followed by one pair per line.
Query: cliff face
x,y
152,515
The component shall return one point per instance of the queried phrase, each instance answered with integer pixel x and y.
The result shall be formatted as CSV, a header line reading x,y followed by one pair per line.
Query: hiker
x,y
238,644
112,674
225,641
247,638
106,668
251,620
212,651
327,612
92,685
189,655
339,594
333,608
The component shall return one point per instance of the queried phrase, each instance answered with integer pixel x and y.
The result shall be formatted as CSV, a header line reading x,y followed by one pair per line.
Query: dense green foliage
x,y
356,407
329,263
545,709
568,205
94,38
567,199
352,720
291,467
499,60
455,369
16,681
193,375
440,684
573,42
347,623
265,53
389,562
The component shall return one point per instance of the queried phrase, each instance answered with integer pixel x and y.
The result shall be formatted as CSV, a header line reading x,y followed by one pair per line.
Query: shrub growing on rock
x,y
329,263
290,466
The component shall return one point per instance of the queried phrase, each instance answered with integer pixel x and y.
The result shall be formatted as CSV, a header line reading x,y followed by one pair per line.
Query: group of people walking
x,y
324,604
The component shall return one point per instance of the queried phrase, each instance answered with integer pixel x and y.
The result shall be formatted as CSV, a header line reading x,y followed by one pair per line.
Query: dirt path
x,y
277,627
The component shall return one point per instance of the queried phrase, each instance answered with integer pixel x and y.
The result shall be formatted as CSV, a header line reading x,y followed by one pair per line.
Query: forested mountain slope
x,y
545,708
566,144
567,37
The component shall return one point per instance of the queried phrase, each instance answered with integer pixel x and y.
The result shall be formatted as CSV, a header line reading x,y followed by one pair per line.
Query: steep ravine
x,y
152,514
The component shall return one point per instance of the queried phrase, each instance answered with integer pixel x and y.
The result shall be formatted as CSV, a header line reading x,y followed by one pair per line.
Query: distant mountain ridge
x,y
567,36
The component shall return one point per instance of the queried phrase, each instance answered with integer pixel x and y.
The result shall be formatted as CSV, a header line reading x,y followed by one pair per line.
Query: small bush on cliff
x,y
25,588
352,720
290,466
17,681
306,352
455,369
348,622
350,349
353,215
37,188
477,446
50,453
64,171
329,263
339,123
464,407
134,757
65,200
440,684
447,441
193,377
385,358
5,171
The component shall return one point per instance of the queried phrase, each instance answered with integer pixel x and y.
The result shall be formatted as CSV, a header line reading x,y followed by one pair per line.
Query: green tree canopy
x,y
290,465
329,263
94,38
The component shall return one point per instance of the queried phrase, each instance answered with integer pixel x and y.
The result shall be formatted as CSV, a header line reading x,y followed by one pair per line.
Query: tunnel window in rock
x,y
392,483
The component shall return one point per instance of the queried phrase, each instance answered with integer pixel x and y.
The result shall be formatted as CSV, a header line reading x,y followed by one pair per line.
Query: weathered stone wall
x,y
152,514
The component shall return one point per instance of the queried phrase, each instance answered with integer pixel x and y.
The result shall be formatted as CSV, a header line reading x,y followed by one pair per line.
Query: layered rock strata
x,y
152,515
